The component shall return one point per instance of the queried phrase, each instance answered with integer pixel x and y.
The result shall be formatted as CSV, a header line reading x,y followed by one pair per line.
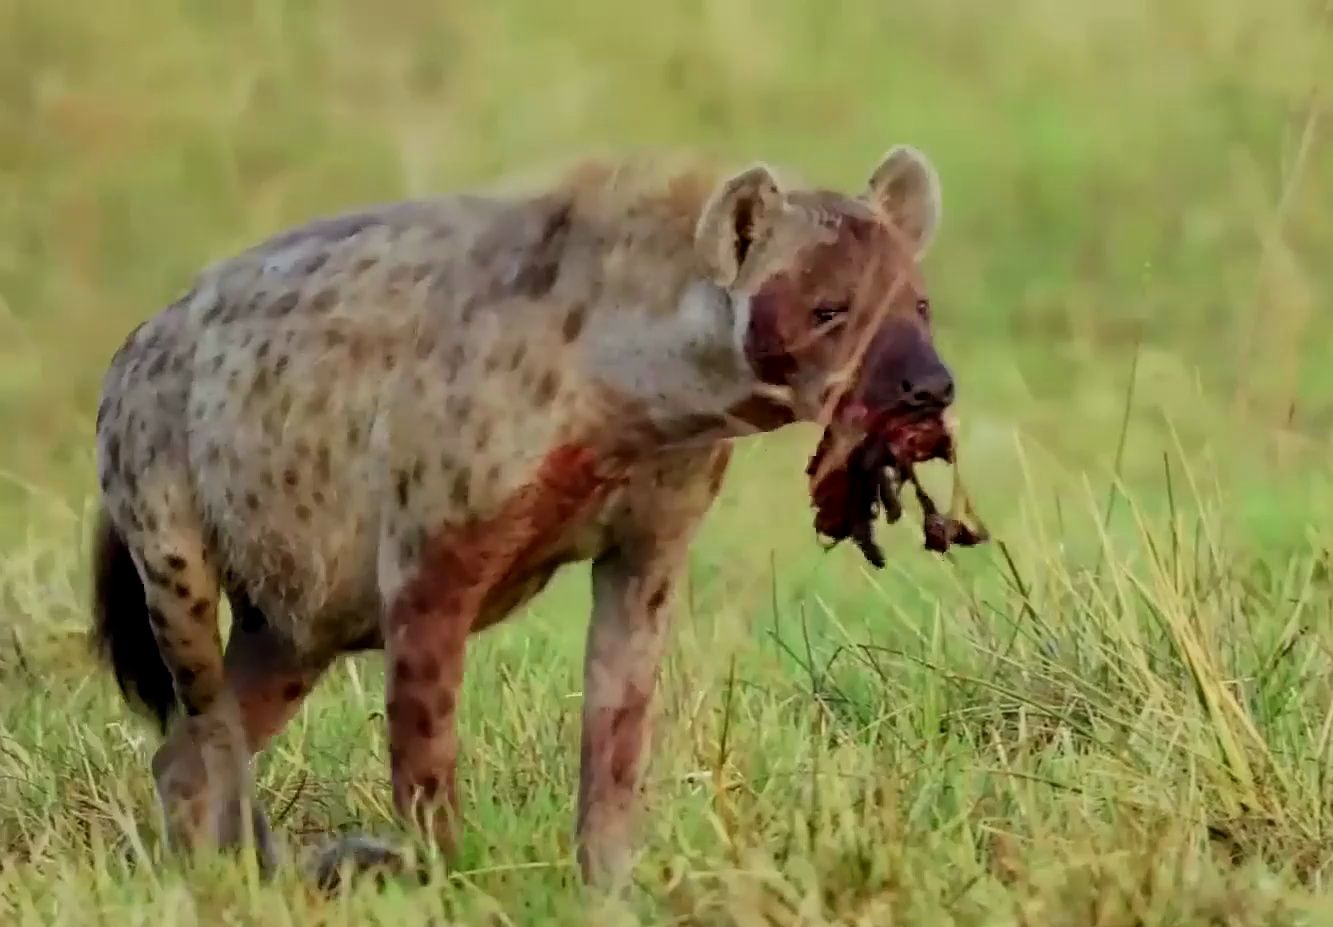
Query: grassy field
x,y
1120,714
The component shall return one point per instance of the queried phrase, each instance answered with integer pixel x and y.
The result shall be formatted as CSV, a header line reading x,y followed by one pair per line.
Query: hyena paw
x,y
358,855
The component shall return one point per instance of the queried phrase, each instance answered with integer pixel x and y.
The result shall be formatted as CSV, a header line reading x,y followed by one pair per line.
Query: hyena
x,y
387,429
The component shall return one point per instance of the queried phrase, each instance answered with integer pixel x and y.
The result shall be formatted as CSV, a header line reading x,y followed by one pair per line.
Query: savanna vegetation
x,y
1119,713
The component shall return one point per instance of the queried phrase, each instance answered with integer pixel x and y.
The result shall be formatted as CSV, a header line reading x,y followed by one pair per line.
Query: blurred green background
x,y
1134,277
1119,178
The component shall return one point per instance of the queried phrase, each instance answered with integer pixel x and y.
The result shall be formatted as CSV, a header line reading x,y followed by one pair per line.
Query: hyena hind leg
x,y
155,620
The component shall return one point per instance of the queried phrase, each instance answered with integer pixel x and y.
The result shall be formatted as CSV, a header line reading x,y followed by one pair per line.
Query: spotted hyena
x,y
388,429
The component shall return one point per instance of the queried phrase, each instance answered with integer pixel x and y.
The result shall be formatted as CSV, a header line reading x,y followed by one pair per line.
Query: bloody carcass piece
x,y
853,480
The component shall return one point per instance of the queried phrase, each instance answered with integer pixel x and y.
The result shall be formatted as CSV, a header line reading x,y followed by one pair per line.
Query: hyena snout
x,y
903,374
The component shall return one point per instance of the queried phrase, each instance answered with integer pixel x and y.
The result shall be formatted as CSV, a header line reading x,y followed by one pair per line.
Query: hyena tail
x,y
122,634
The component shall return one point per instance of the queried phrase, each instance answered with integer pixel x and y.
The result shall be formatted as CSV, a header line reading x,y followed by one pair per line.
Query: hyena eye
x,y
923,308
825,313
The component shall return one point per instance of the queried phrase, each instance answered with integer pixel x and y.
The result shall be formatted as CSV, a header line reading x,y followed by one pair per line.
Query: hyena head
x,y
830,305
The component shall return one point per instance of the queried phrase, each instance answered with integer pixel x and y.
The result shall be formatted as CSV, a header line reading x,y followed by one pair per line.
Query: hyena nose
x,y
930,387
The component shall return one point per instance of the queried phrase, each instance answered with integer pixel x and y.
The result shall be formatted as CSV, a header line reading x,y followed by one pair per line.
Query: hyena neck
x,y
683,368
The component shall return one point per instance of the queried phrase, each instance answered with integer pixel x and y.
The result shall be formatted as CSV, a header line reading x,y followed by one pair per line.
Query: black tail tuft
x,y
122,634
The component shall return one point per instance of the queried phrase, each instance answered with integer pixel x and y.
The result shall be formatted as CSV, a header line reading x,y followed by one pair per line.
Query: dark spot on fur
x,y
483,436
334,339
158,365
658,597
364,264
516,358
200,608
445,702
409,712
542,265
314,263
281,364
353,434
261,352
113,454
290,477
459,492
425,345
454,362
266,477
401,487
186,676
573,324
261,383
323,464
462,409
303,512
252,501
547,386
324,300
469,311
182,590
175,562
420,272
285,304
156,618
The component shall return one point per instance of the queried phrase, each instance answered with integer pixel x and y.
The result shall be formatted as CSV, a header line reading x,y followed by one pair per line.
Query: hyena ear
x,y
738,214
907,188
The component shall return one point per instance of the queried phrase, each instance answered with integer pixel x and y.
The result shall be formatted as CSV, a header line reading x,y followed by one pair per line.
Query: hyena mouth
x,y
850,481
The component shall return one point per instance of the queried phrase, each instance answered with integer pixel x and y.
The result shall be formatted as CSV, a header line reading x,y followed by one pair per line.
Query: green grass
x,y
1119,715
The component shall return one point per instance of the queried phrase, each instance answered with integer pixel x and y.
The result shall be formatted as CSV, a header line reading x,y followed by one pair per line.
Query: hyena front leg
x,y
625,642
427,619
426,634
632,591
